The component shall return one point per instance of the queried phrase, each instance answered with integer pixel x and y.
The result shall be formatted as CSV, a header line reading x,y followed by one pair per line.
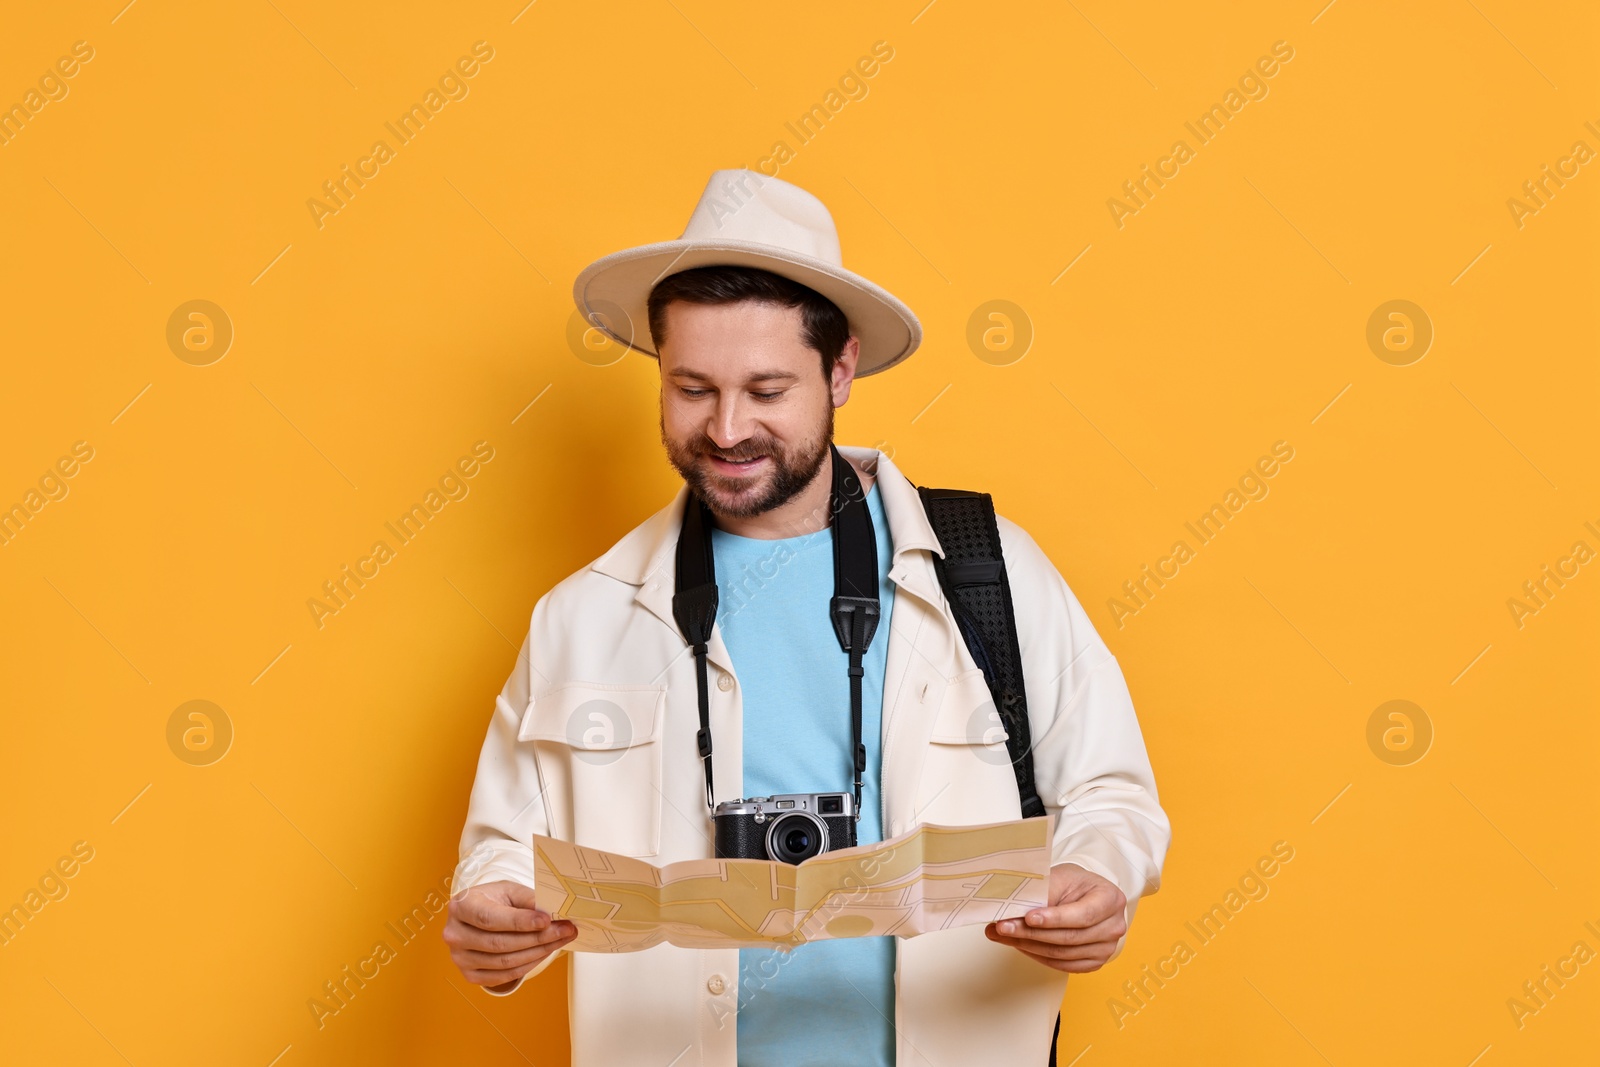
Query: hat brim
x,y
613,294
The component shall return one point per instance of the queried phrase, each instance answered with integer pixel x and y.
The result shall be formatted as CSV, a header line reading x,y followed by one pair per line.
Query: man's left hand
x,y
1078,932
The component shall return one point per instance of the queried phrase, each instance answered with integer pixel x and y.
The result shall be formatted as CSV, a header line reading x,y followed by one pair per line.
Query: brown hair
x,y
823,326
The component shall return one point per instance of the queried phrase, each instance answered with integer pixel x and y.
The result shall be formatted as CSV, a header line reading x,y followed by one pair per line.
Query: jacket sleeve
x,y
507,805
1089,757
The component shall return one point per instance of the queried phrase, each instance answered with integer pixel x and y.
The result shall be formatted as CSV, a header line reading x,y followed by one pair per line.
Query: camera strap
x,y
853,609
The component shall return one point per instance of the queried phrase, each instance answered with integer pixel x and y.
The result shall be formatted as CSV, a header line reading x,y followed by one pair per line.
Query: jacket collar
x,y
645,557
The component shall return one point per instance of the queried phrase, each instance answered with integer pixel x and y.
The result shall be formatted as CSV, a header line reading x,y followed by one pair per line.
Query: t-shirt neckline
x,y
718,532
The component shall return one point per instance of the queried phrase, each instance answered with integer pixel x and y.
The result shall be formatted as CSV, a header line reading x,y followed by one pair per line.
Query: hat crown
x,y
746,219
742,205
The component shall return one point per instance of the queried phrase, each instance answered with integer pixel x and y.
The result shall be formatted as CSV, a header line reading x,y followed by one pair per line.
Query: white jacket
x,y
607,633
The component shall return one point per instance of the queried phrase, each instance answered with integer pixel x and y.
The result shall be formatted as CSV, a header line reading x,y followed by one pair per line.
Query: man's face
x,y
746,415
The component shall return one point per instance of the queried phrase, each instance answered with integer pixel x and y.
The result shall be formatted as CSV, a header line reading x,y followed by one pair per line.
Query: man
x,y
760,333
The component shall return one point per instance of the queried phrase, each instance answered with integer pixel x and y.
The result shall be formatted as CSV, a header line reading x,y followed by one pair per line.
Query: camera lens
x,y
797,837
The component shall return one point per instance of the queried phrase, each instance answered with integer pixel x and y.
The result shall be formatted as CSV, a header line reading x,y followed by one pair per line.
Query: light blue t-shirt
x,y
827,1003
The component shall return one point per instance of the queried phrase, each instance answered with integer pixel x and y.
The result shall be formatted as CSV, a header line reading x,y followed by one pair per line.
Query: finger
x,y
1098,904
487,913
1100,950
496,978
1106,930
1079,966
468,959
1068,966
470,938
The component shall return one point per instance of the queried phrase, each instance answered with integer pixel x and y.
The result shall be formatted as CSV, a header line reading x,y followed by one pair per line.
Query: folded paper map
x,y
932,878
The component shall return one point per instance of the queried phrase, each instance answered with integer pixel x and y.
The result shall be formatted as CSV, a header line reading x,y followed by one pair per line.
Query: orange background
x,y
370,353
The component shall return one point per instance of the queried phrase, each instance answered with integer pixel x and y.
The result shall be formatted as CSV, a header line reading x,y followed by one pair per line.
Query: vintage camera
x,y
787,827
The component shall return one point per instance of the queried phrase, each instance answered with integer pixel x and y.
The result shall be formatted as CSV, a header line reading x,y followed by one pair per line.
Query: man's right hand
x,y
496,934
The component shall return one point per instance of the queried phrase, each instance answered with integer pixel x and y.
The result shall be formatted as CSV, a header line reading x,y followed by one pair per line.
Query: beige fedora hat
x,y
747,219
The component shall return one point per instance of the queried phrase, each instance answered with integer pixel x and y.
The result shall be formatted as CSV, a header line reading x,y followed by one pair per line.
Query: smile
x,y
742,467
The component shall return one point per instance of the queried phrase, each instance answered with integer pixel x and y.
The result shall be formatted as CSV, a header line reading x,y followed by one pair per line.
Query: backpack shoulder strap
x,y
973,577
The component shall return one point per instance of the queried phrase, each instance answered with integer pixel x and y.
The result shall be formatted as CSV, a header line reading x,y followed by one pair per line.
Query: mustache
x,y
739,455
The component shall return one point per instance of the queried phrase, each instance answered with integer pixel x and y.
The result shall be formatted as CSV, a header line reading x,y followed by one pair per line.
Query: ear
x,y
844,371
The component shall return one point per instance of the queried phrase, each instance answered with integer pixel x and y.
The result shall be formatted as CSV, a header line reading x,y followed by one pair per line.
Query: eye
x,y
767,396
693,393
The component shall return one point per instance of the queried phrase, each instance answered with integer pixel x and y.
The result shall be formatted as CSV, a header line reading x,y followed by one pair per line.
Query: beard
x,y
746,496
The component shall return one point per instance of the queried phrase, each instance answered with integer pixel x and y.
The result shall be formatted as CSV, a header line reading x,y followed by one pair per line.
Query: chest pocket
x,y
968,776
598,748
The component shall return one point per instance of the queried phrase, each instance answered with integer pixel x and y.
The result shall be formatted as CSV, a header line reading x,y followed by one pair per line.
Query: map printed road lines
x,y
932,878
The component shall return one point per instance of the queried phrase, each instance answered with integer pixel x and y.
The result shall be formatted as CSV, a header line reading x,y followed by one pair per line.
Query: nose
x,y
729,422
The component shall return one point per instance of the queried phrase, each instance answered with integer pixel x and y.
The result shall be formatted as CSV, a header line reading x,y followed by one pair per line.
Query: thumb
x,y
1066,885
1094,903
519,896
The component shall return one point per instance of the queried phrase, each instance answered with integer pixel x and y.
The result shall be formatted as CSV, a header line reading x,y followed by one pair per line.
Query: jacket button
x,y
725,681
717,985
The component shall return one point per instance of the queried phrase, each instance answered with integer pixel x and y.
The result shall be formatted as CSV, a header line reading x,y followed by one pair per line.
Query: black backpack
x,y
973,577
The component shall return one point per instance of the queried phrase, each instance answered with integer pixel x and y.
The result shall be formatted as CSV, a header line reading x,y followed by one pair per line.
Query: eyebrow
x,y
760,376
